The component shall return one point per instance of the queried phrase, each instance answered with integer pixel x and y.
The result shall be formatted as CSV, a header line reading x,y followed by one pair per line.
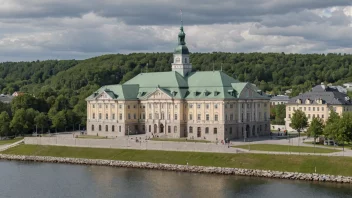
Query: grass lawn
x,y
91,137
292,163
285,148
347,146
178,140
3,142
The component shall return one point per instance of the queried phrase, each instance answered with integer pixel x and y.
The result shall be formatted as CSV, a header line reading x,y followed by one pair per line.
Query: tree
x,y
41,120
18,122
299,121
345,128
4,124
315,128
59,120
280,114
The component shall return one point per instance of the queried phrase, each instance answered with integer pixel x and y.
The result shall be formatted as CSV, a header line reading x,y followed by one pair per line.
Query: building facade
x,y
207,105
279,99
318,103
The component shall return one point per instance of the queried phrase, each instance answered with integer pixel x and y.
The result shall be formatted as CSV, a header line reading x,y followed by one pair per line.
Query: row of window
x,y
309,116
106,128
309,108
199,130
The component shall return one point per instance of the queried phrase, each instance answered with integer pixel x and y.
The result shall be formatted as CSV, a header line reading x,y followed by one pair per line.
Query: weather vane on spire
x,y
181,17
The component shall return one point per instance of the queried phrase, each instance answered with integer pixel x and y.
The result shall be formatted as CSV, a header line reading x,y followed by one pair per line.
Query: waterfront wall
x,y
184,168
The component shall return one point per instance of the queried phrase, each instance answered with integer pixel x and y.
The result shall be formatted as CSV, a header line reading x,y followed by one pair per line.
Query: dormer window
x,y
308,101
299,101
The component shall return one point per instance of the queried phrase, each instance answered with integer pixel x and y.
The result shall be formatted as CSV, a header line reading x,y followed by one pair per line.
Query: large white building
x,y
206,105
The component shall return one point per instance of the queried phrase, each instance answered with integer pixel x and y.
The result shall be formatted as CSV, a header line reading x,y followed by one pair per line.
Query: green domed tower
x,y
181,62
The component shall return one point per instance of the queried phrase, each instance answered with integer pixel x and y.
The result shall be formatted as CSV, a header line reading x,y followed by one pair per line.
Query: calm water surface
x,y
43,180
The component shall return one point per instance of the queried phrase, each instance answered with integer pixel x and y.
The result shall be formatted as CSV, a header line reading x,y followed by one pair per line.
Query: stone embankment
x,y
183,168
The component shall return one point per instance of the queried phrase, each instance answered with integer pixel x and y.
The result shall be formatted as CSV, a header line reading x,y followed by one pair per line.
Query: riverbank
x,y
184,168
280,163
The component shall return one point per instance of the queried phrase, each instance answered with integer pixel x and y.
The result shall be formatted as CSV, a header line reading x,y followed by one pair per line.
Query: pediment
x,y
103,96
159,94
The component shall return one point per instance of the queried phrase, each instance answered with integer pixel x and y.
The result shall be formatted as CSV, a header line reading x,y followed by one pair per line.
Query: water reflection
x,y
41,180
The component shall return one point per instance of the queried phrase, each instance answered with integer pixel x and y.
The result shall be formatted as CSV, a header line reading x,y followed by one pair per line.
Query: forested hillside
x,y
63,85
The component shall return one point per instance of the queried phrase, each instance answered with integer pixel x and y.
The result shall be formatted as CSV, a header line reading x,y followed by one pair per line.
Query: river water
x,y
45,180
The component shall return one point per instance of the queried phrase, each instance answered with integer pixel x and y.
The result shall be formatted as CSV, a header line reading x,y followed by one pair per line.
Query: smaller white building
x,y
279,99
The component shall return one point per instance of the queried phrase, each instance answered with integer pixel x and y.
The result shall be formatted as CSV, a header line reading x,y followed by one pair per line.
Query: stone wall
x,y
184,168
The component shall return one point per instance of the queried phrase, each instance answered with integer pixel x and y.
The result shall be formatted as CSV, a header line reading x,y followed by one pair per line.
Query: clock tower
x,y
181,63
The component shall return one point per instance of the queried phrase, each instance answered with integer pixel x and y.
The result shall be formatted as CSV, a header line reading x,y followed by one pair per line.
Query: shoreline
x,y
184,168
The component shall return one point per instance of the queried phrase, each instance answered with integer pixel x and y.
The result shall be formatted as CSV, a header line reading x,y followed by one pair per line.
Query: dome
x,y
181,49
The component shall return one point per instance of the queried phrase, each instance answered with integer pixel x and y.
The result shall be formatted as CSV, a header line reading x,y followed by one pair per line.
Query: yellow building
x,y
206,105
318,103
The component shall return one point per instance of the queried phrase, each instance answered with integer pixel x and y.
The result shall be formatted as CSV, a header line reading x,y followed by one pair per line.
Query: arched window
x,y
92,127
99,127
190,129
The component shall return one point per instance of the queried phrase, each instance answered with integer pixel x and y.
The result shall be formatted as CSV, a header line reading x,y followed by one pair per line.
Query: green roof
x,y
181,49
197,85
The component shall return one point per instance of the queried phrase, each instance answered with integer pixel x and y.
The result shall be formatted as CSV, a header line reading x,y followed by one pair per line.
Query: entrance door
x,y
161,128
199,132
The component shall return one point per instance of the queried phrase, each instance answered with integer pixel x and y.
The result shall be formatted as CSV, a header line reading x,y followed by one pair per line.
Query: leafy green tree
x,y
59,120
345,128
315,128
299,121
25,101
18,123
4,124
42,121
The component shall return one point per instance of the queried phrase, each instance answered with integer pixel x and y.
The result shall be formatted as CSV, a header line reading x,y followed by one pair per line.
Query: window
x,y
318,116
113,116
190,117
129,116
106,128
99,127
156,116
93,115
143,116
198,117
226,117
230,130
106,116
175,129
215,106
134,106
198,106
150,106
231,106
113,128
92,127
206,130
99,116
175,106
322,116
93,106
119,128
99,106
322,108
169,129
317,108
216,117
231,116
169,116
128,107
190,105
313,108
289,115
215,130
120,116
175,116
162,116
207,106
305,108
294,108
150,128
190,130
289,108
207,117
120,106
150,116
313,115
134,116
242,105
106,106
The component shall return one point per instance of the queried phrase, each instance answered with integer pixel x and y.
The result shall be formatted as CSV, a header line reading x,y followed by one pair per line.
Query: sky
x,y
79,29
